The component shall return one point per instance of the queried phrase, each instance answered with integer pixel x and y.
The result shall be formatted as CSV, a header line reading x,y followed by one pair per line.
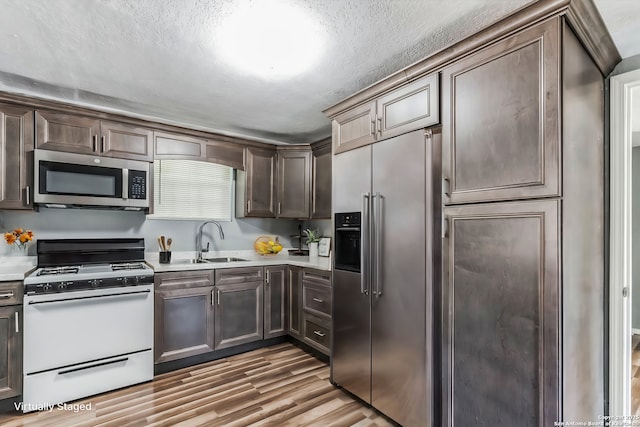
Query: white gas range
x,y
88,320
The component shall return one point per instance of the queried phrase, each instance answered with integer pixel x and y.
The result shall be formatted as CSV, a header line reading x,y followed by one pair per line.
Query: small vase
x,y
313,250
15,251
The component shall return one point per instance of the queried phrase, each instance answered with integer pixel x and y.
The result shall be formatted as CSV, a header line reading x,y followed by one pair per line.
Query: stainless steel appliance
x,y
79,180
88,320
385,276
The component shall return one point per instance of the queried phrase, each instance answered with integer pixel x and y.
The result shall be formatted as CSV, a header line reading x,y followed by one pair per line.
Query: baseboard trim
x,y
635,331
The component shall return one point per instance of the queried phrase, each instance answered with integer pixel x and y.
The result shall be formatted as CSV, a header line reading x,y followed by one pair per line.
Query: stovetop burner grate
x,y
128,266
59,270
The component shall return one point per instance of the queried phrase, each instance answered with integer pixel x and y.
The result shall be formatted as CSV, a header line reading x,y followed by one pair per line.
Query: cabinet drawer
x,y
10,293
317,333
183,279
228,276
320,277
317,298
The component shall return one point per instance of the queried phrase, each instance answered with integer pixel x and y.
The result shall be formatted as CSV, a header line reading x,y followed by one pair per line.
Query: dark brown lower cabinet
x,y
238,314
501,323
275,301
316,309
295,302
10,339
10,351
184,315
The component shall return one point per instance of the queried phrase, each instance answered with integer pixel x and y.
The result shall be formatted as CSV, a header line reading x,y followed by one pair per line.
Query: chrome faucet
x,y
199,238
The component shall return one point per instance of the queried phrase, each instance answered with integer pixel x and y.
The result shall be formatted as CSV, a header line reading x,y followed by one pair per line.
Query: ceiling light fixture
x,y
273,39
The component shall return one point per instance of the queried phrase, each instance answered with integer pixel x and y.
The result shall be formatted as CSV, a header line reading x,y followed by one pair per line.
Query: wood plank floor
x,y
275,386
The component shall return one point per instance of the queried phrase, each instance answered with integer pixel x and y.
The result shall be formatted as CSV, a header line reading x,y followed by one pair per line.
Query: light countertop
x,y
16,267
180,261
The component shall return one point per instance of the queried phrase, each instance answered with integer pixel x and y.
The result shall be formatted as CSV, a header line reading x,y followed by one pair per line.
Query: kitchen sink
x,y
223,259
207,260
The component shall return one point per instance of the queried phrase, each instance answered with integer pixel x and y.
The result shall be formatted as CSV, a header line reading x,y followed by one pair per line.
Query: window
x,y
190,189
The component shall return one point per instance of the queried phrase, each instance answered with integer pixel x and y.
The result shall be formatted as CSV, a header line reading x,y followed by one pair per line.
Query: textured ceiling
x,y
622,18
164,59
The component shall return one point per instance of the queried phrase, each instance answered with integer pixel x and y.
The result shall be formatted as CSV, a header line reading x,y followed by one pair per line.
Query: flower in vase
x,y
19,238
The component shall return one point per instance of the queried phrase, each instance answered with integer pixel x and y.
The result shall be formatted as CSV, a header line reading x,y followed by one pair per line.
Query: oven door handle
x,y
95,365
146,291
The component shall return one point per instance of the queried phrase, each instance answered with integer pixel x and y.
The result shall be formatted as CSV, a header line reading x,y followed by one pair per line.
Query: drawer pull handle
x,y
318,300
96,365
320,334
7,295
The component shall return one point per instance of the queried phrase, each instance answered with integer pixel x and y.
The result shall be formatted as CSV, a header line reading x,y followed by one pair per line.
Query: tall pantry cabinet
x,y
523,286
520,329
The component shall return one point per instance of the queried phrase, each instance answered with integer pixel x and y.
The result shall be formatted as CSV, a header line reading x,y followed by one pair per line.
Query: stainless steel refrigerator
x,y
383,300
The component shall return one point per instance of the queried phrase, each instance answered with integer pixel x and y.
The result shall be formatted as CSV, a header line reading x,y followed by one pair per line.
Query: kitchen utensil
x,y
169,242
160,244
164,244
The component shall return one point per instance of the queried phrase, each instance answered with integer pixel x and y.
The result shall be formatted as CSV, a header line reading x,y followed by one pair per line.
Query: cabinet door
x,y
260,176
173,146
275,301
295,302
225,153
183,323
16,144
321,183
294,184
11,351
408,108
354,128
65,132
501,321
501,120
126,141
239,311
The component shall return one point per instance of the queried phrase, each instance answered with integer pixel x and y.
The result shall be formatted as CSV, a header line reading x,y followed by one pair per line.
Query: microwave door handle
x,y
125,183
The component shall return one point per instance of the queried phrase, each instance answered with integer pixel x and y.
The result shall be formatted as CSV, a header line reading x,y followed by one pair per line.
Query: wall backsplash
x,y
84,223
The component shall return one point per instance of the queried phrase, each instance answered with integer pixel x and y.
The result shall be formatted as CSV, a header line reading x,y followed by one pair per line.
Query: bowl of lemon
x,y
266,245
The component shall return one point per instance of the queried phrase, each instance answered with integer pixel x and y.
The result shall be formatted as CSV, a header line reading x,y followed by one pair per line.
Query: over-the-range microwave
x,y
79,180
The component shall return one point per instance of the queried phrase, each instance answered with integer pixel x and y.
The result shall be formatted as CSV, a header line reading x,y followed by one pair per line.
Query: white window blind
x,y
192,189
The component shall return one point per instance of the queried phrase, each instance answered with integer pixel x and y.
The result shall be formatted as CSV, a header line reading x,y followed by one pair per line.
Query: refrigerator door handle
x,y
364,243
377,217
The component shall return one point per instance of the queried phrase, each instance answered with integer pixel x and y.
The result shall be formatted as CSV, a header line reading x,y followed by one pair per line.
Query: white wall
x,y
75,223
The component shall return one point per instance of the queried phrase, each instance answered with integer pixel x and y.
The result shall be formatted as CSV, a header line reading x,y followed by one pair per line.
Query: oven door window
x,y
80,180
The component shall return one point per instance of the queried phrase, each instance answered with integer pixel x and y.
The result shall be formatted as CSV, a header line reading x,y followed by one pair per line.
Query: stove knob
x,y
125,280
46,287
62,286
135,279
95,283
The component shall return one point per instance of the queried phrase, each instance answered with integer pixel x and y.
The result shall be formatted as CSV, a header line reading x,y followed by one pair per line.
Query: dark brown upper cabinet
x,y
16,144
256,185
176,146
125,141
409,107
85,135
294,183
321,180
501,120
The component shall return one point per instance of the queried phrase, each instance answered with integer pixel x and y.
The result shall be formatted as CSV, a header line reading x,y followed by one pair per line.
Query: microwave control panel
x,y
137,184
